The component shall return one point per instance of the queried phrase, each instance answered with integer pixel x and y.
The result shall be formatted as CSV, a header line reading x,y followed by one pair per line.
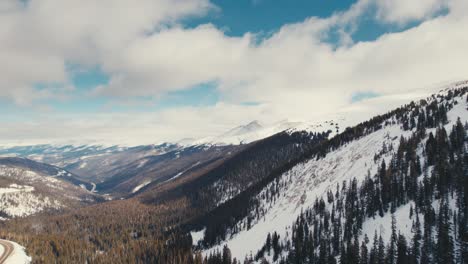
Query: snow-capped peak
x,y
243,129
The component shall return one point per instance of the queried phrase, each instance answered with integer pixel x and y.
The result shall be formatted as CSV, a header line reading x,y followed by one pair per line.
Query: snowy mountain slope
x,y
29,190
45,169
244,129
306,182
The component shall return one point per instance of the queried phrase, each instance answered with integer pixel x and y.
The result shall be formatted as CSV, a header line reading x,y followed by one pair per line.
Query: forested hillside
x,y
390,190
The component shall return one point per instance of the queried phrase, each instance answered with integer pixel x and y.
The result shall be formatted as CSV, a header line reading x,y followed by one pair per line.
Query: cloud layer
x,y
147,52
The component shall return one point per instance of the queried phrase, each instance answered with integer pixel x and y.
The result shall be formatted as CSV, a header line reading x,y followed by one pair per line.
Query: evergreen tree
x,y
268,243
227,257
373,258
364,258
402,250
444,247
415,243
392,246
381,251
427,246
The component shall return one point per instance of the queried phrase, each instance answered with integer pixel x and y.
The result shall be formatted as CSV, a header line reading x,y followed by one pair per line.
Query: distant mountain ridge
x,y
45,169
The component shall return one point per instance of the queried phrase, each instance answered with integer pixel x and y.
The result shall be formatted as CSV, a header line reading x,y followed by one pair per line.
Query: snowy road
x,y
7,252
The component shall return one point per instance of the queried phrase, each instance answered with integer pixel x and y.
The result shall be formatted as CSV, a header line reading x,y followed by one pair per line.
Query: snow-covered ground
x,y
310,180
382,225
32,192
19,201
18,256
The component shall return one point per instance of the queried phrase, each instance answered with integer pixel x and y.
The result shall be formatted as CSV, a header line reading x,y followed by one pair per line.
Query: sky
x,y
149,71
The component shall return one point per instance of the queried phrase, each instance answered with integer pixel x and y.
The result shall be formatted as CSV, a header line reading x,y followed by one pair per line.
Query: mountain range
x,y
344,189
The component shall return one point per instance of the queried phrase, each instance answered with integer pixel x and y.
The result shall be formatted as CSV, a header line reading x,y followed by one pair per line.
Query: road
x,y
7,252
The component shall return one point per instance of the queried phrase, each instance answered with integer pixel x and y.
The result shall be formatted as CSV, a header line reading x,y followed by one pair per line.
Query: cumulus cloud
x,y
39,38
294,66
147,53
402,11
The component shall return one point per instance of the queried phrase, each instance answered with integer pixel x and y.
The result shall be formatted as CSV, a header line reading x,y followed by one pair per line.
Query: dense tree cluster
x,y
125,231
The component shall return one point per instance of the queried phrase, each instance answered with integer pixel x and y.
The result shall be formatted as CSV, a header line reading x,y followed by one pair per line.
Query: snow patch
x,y
182,172
136,189
197,236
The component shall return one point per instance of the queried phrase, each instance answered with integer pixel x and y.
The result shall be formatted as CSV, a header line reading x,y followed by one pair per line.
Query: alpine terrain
x,y
391,189
233,132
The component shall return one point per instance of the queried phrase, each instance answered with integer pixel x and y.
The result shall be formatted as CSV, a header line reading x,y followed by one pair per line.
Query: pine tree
x,y
364,258
227,257
392,247
381,251
402,250
427,246
268,243
444,247
373,259
276,246
415,244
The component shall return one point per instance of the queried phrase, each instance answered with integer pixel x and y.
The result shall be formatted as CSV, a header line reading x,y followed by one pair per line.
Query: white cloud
x,y
37,39
294,73
403,11
294,66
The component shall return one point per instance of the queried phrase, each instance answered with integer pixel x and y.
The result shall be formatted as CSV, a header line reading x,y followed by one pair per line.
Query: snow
x,y
197,236
23,202
142,163
307,181
20,200
18,256
136,189
255,131
382,225
83,165
62,173
94,187
16,188
310,180
182,172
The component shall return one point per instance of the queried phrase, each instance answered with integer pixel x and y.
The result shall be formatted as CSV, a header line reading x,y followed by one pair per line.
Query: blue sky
x,y
239,17
212,65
